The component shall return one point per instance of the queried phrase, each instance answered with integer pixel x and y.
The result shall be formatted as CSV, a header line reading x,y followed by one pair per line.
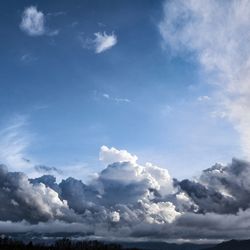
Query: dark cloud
x,y
130,200
221,189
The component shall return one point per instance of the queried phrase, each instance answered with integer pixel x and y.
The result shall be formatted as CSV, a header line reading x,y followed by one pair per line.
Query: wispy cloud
x,y
33,23
129,200
27,58
116,99
14,142
218,34
100,43
104,41
203,98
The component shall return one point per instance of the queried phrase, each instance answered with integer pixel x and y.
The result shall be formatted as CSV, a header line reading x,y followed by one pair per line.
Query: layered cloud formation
x,y
127,199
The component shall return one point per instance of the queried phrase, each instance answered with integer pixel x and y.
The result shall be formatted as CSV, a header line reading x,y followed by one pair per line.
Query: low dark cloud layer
x,y
127,199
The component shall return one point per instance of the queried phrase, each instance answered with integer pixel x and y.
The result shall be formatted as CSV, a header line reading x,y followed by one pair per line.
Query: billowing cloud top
x,y
127,199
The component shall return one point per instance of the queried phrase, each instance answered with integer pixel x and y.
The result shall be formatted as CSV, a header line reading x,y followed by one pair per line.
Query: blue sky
x,y
65,99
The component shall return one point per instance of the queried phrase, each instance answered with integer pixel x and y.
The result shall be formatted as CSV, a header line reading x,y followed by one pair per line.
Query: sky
x,y
74,93
157,89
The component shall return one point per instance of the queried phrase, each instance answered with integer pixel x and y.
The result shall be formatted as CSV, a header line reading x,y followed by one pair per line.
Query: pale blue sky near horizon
x,y
136,95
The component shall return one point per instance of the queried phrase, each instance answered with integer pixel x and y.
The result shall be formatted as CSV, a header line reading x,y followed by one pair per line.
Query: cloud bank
x,y
130,200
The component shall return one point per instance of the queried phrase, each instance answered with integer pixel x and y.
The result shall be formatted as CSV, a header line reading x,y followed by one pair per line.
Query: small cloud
x,y
58,13
73,24
106,96
40,107
104,42
47,169
53,33
218,114
111,155
100,24
100,43
203,98
121,100
33,22
27,58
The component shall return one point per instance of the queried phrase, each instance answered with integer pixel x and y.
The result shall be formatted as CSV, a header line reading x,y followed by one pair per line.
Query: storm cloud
x,y
127,199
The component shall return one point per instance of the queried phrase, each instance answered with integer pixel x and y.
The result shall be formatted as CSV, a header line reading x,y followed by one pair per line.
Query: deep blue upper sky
x,y
137,95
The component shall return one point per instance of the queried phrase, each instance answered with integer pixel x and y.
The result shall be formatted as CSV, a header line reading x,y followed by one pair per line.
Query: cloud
x,y
217,34
104,41
116,99
33,21
130,200
47,169
111,155
100,43
26,201
203,98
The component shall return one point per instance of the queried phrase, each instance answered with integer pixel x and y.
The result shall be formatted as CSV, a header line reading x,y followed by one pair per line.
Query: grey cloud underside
x,y
129,200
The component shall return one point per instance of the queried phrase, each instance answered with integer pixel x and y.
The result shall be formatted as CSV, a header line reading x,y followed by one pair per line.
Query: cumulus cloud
x,y
116,99
111,155
127,199
217,33
33,23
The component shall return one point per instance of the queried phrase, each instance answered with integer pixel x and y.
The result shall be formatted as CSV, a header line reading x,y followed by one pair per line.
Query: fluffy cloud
x,y
127,199
26,201
217,33
33,21
111,155
99,44
104,41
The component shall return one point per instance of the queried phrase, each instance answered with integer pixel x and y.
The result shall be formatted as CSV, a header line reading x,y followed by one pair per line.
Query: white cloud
x,y
121,99
203,98
115,99
100,43
111,155
106,96
33,21
130,200
218,34
13,144
104,41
